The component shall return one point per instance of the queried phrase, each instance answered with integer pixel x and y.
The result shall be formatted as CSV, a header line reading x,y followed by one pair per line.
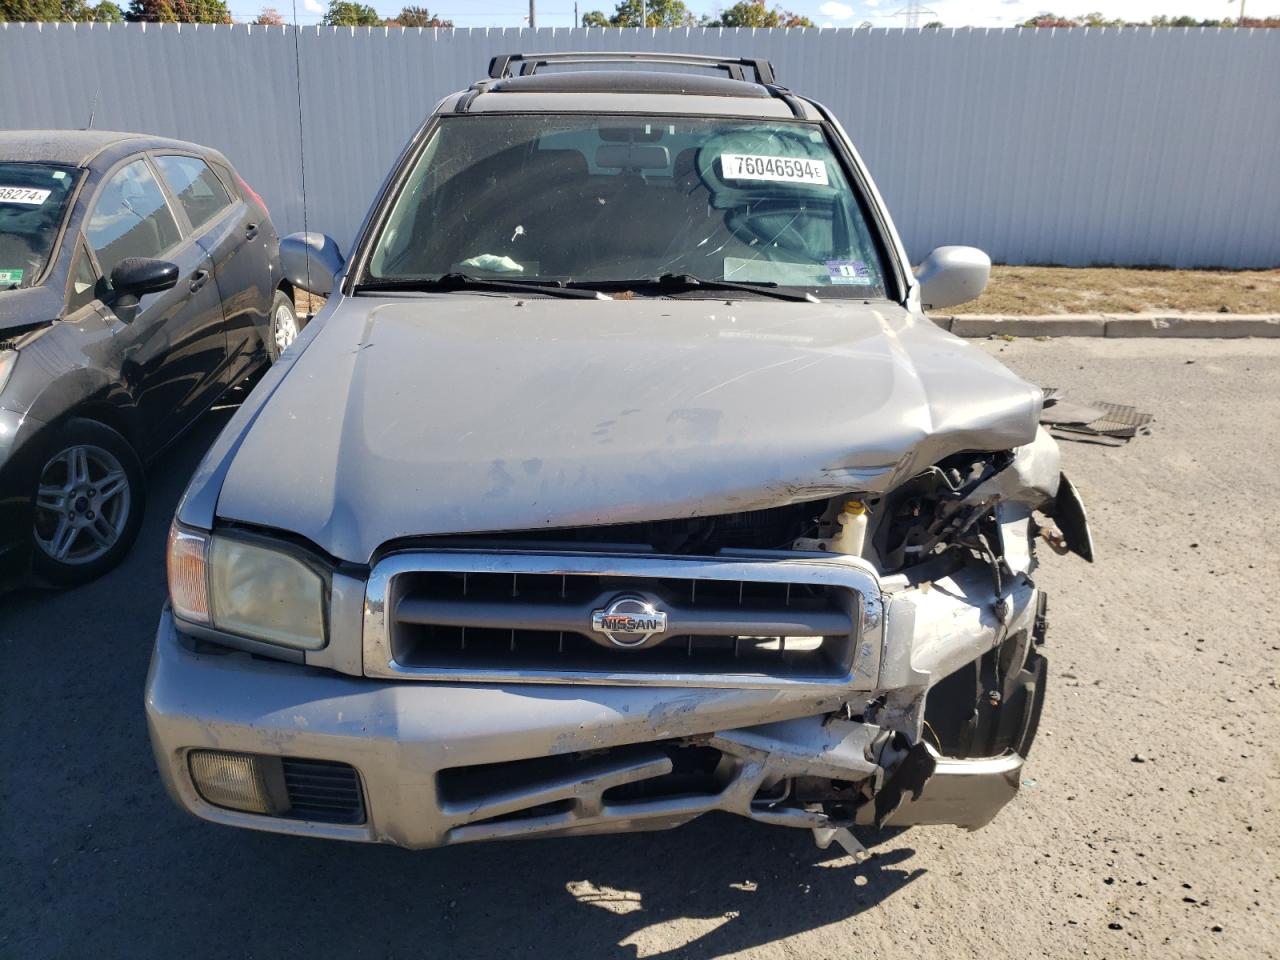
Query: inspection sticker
x,y
28,195
10,278
851,272
740,166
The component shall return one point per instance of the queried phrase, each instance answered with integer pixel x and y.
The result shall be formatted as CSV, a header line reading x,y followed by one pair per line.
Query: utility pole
x,y
912,12
644,14
577,21
533,15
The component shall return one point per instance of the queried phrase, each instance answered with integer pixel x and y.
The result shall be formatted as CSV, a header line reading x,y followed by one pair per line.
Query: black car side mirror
x,y
134,277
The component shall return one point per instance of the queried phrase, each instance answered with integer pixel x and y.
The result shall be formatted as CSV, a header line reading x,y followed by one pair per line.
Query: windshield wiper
x,y
684,282
463,281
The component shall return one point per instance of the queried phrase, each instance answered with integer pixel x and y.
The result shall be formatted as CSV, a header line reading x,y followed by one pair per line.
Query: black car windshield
x,y
574,199
33,203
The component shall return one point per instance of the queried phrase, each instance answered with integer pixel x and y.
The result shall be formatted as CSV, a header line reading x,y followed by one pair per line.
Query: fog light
x,y
239,781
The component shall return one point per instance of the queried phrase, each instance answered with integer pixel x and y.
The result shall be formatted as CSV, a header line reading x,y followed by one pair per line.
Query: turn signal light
x,y
188,582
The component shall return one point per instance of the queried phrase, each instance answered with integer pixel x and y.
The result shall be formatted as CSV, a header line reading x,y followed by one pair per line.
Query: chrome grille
x,y
526,617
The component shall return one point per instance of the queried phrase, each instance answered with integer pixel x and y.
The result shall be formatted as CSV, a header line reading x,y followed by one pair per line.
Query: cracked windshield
x,y
589,201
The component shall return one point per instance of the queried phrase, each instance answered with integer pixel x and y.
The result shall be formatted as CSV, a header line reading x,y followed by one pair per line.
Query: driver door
x,y
173,349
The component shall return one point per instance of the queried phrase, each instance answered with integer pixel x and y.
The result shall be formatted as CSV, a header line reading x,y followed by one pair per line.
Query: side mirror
x,y
135,276
311,261
952,275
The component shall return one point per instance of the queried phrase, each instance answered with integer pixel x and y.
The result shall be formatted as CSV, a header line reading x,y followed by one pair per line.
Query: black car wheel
x,y
88,503
284,325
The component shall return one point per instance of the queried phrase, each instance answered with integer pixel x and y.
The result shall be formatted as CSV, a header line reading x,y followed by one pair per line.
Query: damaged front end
x,y
869,659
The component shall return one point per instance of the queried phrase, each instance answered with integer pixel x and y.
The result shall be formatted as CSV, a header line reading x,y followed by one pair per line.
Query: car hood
x,y
27,307
464,413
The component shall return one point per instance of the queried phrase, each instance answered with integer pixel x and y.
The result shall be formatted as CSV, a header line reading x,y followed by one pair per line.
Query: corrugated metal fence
x,y
1132,146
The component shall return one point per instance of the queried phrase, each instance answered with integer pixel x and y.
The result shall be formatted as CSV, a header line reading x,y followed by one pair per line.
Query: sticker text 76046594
x,y
738,166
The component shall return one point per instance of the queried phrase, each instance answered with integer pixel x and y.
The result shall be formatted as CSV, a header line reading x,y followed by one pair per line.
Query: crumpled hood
x,y
463,413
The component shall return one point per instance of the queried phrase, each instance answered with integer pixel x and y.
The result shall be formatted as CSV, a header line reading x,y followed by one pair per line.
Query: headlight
x,y
247,588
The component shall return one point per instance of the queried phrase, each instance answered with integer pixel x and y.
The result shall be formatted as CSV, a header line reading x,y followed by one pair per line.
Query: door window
x,y
131,218
197,188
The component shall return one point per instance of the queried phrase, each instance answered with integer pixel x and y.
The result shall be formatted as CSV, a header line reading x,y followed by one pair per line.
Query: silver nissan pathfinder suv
x,y
621,479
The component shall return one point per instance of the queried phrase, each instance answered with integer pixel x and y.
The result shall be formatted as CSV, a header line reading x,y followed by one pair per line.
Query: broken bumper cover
x,y
444,763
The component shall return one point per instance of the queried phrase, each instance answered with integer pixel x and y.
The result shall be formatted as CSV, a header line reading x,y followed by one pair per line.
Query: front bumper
x,y
410,740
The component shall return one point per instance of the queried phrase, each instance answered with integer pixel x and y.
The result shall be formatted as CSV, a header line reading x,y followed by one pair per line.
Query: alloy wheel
x,y
285,328
82,504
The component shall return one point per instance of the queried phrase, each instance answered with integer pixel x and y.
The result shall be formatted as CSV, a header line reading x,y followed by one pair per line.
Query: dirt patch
x,y
307,304
1044,290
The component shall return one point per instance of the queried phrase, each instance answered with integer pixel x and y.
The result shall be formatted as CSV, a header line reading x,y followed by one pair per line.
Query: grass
x,y
1045,290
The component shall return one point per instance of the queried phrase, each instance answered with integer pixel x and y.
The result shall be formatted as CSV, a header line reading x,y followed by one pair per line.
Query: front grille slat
x,y
516,616
509,615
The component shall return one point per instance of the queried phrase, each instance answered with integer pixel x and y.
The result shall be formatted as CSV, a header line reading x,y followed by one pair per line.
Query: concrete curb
x,y
1185,325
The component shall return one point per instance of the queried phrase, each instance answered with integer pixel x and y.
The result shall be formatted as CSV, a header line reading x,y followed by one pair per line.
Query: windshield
x,y
33,202
606,199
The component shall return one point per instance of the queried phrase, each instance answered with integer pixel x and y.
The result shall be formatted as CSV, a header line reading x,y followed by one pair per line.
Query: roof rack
x,y
503,66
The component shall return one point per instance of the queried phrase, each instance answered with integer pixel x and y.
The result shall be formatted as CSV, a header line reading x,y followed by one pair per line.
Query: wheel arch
x,y
88,394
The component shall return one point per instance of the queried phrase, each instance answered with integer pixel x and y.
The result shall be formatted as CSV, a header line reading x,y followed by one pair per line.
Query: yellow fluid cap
x,y
855,507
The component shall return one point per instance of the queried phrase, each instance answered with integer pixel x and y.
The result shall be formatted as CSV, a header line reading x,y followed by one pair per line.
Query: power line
x,y
912,13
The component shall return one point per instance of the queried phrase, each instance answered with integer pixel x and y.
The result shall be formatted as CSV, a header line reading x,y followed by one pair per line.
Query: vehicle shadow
x,y
93,852
712,888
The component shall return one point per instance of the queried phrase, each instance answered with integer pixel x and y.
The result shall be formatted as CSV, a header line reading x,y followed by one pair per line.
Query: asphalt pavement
x,y
1147,824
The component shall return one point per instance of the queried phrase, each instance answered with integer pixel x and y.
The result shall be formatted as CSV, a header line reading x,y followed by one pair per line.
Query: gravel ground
x,y
1147,826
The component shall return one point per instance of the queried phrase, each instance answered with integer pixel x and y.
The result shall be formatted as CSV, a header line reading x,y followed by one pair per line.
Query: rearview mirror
x,y
311,261
952,275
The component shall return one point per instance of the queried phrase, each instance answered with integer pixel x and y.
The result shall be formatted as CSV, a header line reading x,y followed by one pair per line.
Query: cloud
x,y
836,10
872,3
313,6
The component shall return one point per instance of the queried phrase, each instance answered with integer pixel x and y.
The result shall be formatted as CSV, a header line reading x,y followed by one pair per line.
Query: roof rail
x,y
501,67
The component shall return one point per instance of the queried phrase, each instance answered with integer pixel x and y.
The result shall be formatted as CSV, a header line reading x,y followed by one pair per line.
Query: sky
x,y
826,13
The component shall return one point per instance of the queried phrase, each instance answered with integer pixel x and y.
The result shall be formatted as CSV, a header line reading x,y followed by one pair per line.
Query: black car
x,y
139,280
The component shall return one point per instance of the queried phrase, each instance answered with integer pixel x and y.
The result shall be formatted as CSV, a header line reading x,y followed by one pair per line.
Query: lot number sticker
x,y
28,195
740,166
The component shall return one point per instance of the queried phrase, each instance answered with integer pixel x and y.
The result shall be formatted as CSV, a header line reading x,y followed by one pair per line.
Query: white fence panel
x,y
1134,146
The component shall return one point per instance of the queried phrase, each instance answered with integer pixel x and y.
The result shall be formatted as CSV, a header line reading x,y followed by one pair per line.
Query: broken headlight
x,y
248,587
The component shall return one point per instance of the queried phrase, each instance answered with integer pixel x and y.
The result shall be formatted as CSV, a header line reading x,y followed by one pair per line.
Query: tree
x,y
178,11
753,13
66,11
934,25
417,17
269,17
658,13
350,13
1049,20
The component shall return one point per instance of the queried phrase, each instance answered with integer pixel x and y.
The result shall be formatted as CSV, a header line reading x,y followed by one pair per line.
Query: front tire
x,y
284,326
87,503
